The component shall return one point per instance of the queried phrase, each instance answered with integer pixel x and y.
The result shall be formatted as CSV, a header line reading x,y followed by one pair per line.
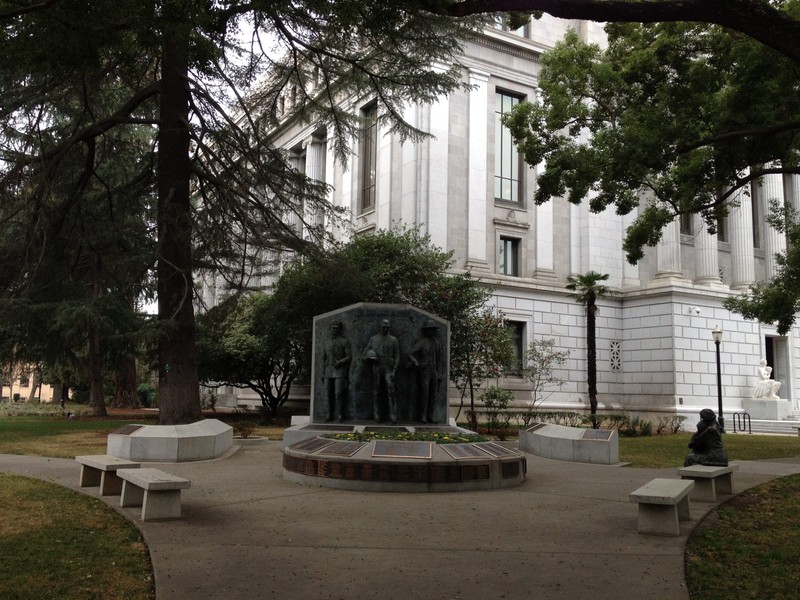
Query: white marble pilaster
x,y
438,175
478,189
383,187
410,197
545,256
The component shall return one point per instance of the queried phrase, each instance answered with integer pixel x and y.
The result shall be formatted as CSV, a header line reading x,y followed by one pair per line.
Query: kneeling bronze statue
x,y
706,443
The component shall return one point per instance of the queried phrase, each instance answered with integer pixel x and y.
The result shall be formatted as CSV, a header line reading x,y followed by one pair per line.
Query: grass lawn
x,y
61,544
49,433
56,543
671,450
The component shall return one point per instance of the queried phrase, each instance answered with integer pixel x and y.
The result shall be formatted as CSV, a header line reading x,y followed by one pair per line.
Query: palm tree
x,y
587,289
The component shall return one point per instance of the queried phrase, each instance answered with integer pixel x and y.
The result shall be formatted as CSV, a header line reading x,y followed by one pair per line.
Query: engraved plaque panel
x,y
496,450
535,426
381,429
395,449
127,429
510,469
461,451
597,434
311,444
322,427
341,448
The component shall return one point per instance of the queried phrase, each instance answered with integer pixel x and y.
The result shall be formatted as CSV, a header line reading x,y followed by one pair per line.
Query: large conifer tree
x,y
181,76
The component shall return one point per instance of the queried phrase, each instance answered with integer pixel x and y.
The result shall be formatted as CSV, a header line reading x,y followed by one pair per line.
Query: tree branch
x,y
755,18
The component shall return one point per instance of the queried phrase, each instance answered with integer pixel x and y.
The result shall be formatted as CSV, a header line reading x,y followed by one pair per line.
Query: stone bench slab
x,y
709,481
662,504
101,470
157,492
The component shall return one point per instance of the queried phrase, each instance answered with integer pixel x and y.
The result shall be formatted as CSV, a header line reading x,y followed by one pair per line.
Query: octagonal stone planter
x,y
203,440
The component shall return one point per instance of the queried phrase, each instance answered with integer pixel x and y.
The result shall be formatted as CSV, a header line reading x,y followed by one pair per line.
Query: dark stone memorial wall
x,y
358,324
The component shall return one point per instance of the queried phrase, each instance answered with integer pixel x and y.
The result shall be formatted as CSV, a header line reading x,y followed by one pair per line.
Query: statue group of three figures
x,y
382,356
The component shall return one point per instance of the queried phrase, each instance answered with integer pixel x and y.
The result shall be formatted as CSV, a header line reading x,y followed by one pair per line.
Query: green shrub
x,y
145,393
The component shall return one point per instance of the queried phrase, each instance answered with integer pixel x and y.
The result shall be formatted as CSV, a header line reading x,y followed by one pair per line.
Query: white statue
x,y
766,387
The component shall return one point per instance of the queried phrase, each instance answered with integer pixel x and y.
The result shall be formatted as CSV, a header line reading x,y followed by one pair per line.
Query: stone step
x,y
784,427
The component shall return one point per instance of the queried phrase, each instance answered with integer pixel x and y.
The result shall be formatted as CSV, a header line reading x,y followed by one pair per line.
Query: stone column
x,y
791,191
706,253
630,273
741,233
775,241
297,162
668,253
315,169
478,191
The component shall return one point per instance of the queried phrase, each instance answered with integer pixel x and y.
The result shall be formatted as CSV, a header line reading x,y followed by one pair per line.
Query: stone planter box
x,y
575,444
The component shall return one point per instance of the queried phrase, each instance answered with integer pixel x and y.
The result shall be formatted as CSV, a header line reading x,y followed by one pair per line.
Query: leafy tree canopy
x,y
246,341
675,116
209,99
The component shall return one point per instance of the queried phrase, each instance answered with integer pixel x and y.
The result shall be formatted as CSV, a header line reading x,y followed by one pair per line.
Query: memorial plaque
x,y
474,472
496,450
510,470
127,429
461,451
321,427
597,434
339,448
380,429
311,444
535,426
395,449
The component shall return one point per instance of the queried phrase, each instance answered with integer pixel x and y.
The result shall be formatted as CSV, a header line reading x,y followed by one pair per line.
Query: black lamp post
x,y
716,333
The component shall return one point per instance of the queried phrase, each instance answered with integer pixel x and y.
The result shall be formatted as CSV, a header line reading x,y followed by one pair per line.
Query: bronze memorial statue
x,y
428,356
706,442
383,353
336,356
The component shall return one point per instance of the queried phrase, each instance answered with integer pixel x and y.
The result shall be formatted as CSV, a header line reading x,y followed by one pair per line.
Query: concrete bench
x,y
158,493
662,504
101,469
709,481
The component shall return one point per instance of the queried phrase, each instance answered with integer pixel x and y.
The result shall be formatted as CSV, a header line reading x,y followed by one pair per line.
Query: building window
x,y
509,256
755,202
368,164
24,381
722,229
503,23
616,355
517,331
686,224
507,160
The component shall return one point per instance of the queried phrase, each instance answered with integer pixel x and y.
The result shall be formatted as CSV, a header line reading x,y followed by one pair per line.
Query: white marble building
x,y
469,191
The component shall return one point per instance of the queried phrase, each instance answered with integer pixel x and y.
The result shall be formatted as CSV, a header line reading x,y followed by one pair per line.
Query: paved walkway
x,y
567,532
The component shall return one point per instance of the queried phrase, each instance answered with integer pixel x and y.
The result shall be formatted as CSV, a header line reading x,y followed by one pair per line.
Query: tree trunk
x,y
36,382
178,383
125,395
591,356
96,395
58,390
